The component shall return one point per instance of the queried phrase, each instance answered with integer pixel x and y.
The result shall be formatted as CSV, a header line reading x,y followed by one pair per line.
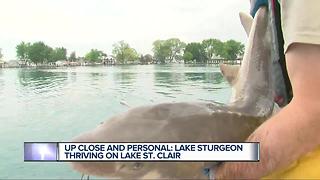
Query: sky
x,y
81,25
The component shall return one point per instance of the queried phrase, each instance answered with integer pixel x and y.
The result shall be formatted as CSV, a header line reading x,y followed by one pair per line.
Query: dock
x,y
219,61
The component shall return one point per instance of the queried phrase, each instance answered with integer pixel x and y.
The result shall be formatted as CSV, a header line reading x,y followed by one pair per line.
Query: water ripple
x,y
57,104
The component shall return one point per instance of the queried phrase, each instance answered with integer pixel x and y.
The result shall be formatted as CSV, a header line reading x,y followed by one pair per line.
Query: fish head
x,y
126,170
152,123
109,169
133,170
135,125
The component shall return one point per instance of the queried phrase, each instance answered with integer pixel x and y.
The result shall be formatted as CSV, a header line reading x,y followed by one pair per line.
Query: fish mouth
x,y
102,169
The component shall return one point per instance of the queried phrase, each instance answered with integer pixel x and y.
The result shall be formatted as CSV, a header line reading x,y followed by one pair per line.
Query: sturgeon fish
x,y
252,104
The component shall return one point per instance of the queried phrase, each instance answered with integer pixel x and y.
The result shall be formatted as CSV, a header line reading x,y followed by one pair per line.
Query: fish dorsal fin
x,y
230,72
246,21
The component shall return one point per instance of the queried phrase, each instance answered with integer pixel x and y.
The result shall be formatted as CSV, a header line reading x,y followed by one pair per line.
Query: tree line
x,y
40,53
175,50
164,51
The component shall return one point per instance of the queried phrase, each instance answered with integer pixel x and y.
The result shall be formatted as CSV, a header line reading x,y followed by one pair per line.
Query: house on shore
x,y
109,60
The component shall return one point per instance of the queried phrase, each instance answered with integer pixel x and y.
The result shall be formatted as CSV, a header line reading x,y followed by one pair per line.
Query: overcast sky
x,y
80,25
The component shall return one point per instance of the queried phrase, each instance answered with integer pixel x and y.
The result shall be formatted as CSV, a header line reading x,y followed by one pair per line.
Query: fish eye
x,y
137,166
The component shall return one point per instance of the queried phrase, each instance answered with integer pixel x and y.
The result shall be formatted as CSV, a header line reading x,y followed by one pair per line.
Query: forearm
x,y
295,130
285,137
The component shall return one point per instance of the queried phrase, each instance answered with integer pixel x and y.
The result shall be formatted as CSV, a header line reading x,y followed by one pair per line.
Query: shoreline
x,y
229,62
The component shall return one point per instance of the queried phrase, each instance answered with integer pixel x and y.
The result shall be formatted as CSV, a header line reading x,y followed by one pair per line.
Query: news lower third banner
x,y
70,152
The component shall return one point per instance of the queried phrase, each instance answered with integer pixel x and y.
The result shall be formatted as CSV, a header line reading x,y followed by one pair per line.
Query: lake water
x,y
58,104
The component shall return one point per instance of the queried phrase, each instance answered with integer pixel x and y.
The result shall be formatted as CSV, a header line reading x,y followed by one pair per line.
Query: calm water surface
x,y
58,104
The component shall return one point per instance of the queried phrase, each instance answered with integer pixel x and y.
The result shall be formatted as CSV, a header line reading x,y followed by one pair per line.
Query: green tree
x,y
94,55
197,51
176,48
161,51
58,54
146,59
233,49
73,56
39,52
213,48
187,56
124,53
168,50
22,51
49,55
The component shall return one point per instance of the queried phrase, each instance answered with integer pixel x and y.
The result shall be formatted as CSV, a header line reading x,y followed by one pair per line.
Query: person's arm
x,y
295,130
